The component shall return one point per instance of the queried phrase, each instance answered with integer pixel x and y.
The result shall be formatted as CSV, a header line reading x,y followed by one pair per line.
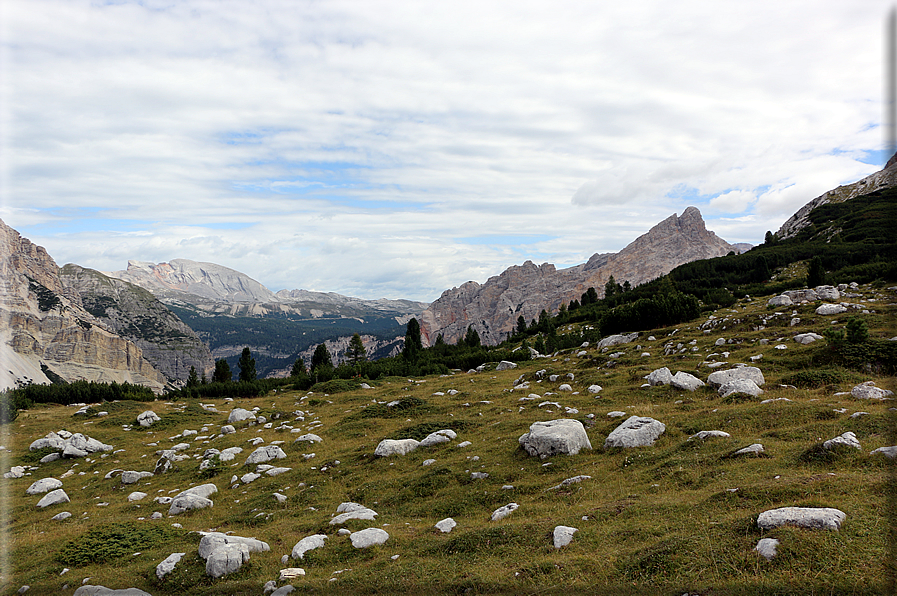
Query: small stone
x,y
767,548
503,512
755,449
825,518
368,537
446,525
563,535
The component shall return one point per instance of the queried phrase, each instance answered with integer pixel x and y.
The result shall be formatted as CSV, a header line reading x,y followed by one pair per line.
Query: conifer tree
x,y
357,352
222,372
192,381
247,366
321,357
413,345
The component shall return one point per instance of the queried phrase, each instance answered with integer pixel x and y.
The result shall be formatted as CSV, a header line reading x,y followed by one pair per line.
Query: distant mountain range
x,y
151,323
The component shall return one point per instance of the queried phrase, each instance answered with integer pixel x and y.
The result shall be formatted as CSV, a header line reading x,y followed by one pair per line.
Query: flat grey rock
x,y
719,378
440,436
636,431
661,376
264,454
686,381
755,449
226,559
132,477
564,436
446,525
816,518
767,548
709,434
505,365
847,439
505,511
868,390
613,340
310,438
61,516
347,511
830,309
167,566
88,590
212,541
746,386
807,338
780,301
886,451
188,502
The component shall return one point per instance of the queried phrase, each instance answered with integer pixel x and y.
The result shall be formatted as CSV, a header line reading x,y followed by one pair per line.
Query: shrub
x,y
812,379
102,544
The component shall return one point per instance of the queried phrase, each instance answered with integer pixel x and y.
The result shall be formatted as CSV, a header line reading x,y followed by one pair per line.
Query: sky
x,y
396,149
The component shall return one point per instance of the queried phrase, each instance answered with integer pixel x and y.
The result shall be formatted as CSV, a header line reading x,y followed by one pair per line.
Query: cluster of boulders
x,y
68,445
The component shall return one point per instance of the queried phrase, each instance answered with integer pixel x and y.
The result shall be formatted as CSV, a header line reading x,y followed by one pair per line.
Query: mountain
x,y
46,333
135,314
525,290
229,311
884,178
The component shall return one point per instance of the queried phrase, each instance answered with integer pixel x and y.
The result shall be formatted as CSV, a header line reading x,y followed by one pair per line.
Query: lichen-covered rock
x,y
389,447
636,431
54,497
563,535
686,381
847,439
661,376
746,386
308,543
43,485
816,518
719,378
368,537
565,436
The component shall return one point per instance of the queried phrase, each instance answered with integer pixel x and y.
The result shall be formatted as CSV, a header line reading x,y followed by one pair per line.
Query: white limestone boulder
x,y
613,340
636,431
54,497
52,441
505,365
390,447
188,502
661,376
446,525
43,485
565,436
368,537
309,438
347,511
239,415
709,434
265,454
440,436
755,449
766,548
847,439
132,477
780,301
168,565
890,452
827,293
226,559
147,418
807,338
719,378
306,544
563,535
746,386
686,381
814,518
868,390
90,590
830,309
505,511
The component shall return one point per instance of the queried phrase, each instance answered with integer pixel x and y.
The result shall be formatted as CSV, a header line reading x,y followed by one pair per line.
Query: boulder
x,y
827,293
636,431
746,386
263,454
389,447
564,436
807,338
308,543
54,497
565,387
569,481
347,511
446,525
88,444
868,390
505,365
52,440
503,512
595,389
188,502
228,429
830,309
239,414
229,454
212,541
89,590
368,537
847,439
43,485
755,449
310,438
147,418
686,381
563,535
613,340
61,516
136,496
708,434
15,472
661,376
767,548
132,477
167,566
886,451
782,300
815,518
226,559
440,436
721,377
801,295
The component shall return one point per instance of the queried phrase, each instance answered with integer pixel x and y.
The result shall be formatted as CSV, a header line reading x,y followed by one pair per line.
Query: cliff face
x,y
525,290
205,280
135,314
44,327
884,178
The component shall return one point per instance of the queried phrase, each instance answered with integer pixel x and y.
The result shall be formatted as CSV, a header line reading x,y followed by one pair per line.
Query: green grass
x,y
673,518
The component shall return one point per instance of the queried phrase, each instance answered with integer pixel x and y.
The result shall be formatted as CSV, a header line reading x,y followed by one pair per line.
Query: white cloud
x,y
342,146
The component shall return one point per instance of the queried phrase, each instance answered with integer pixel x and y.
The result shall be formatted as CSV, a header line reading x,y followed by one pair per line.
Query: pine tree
x,y
521,324
192,381
472,338
222,372
610,288
321,357
815,273
247,366
413,345
357,352
298,368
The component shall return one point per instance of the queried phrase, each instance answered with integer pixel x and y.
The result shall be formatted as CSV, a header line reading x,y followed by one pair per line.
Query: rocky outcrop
x,y
45,329
882,179
525,290
135,314
206,280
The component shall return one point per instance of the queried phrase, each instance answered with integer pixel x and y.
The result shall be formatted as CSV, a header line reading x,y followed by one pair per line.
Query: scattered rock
x,y
54,497
43,485
886,451
132,477
816,518
868,390
349,511
707,434
807,338
505,365
291,573
849,439
782,300
239,414
595,389
767,548
308,543
446,525
88,590
389,447
661,376
721,377
503,512
147,418
570,481
264,454
368,537
636,431
440,436
746,386
15,472
686,381
310,438
136,496
167,566
613,340
755,449
830,309
564,436
563,535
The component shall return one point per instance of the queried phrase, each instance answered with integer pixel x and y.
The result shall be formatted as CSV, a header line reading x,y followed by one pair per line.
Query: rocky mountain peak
x,y
204,280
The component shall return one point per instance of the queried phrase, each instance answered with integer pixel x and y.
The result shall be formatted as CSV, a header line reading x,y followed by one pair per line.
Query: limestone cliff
x,y
525,290
183,277
45,329
884,178
135,314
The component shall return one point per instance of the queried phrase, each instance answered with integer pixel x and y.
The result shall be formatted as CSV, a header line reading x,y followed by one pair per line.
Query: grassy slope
x,y
664,519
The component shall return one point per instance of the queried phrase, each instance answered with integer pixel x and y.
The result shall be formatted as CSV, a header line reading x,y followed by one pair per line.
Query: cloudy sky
x,y
399,148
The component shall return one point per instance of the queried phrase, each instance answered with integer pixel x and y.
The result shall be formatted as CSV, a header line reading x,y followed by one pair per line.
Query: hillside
x,y
680,516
